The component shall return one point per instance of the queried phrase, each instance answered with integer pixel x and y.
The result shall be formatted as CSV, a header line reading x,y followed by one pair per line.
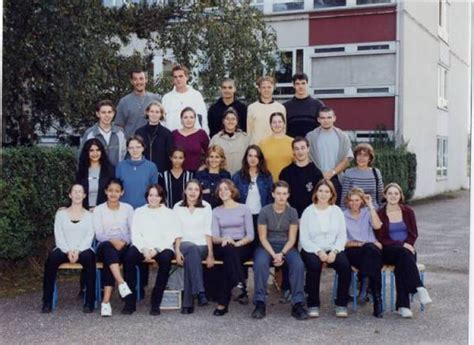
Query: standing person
x,y
228,100
322,239
111,136
277,229
258,113
362,249
193,140
232,235
398,235
254,182
232,139
131,108
364,175
212,174
277,147
330,149
301,176
137,173
94,172
195,218
112,222
302,110
73,235
154,231
175,179
158,139
183,96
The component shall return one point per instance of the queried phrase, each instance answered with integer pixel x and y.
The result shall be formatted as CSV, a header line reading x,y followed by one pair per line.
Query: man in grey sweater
x,y
131,108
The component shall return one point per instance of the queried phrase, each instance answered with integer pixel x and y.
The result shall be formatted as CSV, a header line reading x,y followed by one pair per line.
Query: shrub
x,y
33,185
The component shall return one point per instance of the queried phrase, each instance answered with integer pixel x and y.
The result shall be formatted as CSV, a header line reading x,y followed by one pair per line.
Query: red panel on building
x,y
364,114
352,26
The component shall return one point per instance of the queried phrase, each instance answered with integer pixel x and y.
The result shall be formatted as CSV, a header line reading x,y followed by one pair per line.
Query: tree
x,y
61,57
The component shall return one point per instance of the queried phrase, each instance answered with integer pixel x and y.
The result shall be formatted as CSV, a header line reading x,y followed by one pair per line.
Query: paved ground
x,y
442,246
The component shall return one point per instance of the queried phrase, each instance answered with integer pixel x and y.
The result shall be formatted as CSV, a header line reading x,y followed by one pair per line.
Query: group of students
x,y
152,194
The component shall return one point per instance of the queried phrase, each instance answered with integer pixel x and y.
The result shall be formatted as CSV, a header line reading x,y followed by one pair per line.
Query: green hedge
x,y
35,181
33,185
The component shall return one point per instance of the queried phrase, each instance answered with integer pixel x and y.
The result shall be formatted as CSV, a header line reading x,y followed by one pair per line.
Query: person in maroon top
x,y
194,141
397,236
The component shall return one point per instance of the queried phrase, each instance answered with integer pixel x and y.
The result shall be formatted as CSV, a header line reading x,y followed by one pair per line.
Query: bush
x,y
34,183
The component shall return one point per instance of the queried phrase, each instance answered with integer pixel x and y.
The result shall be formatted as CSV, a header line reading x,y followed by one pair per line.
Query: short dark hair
x,y
299,139
228,80
180,68
159,189
277,113
299,76
103,103
114,181
326,110
136,138
187,109
177,149
280,183
136,70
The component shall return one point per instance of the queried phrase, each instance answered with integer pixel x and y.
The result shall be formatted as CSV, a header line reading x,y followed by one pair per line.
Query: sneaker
x,y
341,312
299,312
124,290
423,295
105,309
313,311
405,313
259,311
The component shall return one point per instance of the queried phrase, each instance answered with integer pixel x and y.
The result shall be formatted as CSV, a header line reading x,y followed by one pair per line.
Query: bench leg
x,y
422,278
98,286
334,287
354,291
138,286
383,290
392,291
55,295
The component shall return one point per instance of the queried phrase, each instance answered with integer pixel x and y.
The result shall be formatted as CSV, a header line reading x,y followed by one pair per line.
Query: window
x,y
442,157
370,2
288,63
443,8
442,87
285,5
328,3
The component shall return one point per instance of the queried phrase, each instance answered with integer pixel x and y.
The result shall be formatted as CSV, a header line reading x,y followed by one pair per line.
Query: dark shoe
x,y
187,310
243,298
47,308
155,311
221,312
299,312
128,310
88,308
259,311
202,299
378,307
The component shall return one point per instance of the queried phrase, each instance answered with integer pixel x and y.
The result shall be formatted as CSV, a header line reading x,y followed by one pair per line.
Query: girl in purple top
x,y
232,235
194,141
112,222
362,249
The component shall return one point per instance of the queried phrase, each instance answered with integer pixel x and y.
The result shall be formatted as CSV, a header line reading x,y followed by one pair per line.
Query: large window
x,y
442,157
328,3
442,87
289,62
285,5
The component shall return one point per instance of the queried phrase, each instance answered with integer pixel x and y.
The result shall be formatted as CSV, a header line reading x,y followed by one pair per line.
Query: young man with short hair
x,y
302,110
111,136
228,100
258,114
182,96
131,108
330,149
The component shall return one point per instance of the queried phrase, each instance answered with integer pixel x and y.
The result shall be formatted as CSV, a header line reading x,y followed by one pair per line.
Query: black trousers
x,y
55,259
313,277
367,259
338,187
134,258
232,271
407,276
107,254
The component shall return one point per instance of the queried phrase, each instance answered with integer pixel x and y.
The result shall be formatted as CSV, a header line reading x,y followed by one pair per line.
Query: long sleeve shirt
x,y
196,225
73,236
113,224
364,179
383,235
322,229
235,223
154,228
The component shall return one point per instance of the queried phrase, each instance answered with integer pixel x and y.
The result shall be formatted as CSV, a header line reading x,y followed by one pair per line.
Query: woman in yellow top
x,y
277,147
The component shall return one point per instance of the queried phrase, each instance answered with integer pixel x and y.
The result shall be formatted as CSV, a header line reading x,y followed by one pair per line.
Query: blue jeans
x,y
261,266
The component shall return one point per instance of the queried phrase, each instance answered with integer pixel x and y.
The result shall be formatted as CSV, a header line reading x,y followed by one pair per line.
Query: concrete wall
x,y
421,121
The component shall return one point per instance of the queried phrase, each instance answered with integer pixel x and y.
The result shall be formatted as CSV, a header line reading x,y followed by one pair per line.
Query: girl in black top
x,y
175,179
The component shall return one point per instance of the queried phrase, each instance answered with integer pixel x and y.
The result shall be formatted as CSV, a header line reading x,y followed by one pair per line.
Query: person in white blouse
x,y
112,222
73,234
195,244
322,239
154,231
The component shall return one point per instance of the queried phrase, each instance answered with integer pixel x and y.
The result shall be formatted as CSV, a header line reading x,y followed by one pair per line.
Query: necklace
x,y
278,219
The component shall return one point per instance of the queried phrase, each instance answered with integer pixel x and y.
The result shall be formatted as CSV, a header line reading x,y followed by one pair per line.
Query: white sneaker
x,y
423,295
124,290
405,313
105,309
313,311
341,312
